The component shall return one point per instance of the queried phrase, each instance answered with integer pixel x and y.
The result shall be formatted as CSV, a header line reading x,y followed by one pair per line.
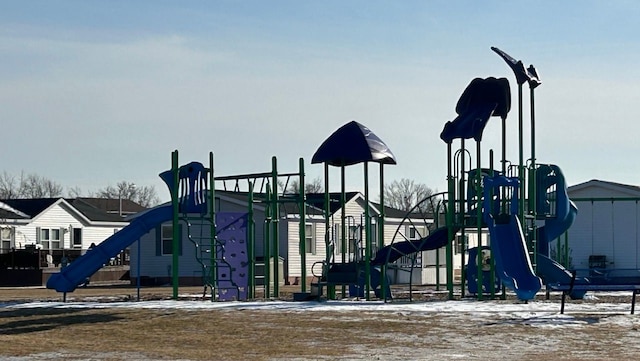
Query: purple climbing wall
x,y
231,256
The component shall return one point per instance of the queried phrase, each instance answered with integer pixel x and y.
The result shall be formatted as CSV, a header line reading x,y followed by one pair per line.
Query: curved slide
x,y
565,213
509,249
395,251
77,272
553,272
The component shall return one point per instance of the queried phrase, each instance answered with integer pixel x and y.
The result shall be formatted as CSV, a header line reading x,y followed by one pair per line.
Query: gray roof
x,y
94,209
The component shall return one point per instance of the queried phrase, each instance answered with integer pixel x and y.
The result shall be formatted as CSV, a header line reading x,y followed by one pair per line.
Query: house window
x,y
77,237
50,238
354,238
460,244
167,239
373,233
415,233
309,239
5,240
164,239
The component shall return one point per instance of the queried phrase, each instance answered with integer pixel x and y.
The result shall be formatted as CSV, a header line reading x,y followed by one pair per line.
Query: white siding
x,y
154,265
294,262
624,235
581,236
608,228
60,217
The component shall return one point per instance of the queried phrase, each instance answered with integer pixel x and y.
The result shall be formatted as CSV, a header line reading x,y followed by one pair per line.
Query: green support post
x,y
267,245
479,218
275,225
175,245
251,246
533,182
331,291
492,269
450,226
521,194
462,214
303,224
213,230
367,235
383,267
343,220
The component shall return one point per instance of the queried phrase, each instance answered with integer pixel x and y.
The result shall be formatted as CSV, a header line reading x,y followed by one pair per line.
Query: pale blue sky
x,y
94,92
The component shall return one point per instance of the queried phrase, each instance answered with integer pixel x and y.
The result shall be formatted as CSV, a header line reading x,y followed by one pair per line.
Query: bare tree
x,y
76,192
145,196
314,186
35,186
9,186
405,194
28,186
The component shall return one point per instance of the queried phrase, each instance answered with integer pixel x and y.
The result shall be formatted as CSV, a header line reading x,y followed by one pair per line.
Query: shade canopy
x,y
351,144
482,99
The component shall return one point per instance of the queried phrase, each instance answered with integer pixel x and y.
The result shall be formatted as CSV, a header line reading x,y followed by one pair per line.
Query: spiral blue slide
x,y
68,279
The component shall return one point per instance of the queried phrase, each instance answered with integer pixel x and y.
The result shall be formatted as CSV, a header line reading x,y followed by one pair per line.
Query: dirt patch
x,y
267,334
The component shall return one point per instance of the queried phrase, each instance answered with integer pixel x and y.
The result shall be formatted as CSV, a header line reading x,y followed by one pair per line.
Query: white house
x,y
154,262
606,230
58,226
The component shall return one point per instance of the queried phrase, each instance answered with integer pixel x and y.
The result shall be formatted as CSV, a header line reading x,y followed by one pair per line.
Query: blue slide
x,y
565,213
77,272
509,249
508,245
395,251
549,270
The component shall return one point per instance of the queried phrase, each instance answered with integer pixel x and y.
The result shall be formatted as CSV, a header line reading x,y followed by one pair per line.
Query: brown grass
x,y
242,334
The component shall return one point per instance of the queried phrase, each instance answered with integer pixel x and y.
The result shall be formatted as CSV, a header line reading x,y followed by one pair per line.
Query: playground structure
x,y
522,206
223,242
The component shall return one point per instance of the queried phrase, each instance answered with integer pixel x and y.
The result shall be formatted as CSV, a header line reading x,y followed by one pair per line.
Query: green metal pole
x,y
479,218
213,230
521,158
462,214
450,226
533,181
275,224
251,245
267,244
175,245
382,212
383,267
331,291
303,225
367,234
343,219
492,269
504,146
438,260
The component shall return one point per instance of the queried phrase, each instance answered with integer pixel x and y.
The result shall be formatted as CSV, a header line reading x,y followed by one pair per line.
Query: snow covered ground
x,y
504,329
544,310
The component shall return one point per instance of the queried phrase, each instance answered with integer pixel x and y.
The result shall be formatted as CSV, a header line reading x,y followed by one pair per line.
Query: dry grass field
x,y
52,333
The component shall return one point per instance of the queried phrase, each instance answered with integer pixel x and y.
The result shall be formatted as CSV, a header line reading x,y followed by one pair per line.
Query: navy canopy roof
x,y
351,144
482,99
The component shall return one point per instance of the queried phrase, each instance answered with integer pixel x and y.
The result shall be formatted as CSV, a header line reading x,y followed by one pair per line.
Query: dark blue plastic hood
x,y
351,144
482,99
